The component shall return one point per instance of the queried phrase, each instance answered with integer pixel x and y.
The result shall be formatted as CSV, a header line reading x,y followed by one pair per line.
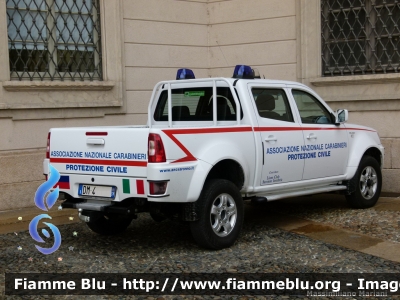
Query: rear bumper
x,y
185,181
102,206
125,187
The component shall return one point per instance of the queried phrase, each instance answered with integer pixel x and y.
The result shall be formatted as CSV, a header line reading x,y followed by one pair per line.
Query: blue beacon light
x,y
244,72
185,74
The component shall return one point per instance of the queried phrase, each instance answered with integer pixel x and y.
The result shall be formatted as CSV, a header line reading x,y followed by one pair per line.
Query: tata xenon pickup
x,y
208,145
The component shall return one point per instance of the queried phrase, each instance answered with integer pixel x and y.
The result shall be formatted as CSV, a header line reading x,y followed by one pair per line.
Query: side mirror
x,y
342,115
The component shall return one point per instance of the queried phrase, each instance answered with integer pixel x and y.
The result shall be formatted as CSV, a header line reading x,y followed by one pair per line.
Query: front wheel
x,y
220,208
367,183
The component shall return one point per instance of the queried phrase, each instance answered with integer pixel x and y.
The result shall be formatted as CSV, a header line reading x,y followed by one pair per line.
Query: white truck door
x,y
325,141
281,137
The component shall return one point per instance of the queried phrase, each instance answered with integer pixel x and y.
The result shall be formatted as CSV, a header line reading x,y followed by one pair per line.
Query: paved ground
x,y
310,234
328,218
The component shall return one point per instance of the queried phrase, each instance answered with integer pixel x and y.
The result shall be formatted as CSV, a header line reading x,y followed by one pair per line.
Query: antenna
x,y
226,62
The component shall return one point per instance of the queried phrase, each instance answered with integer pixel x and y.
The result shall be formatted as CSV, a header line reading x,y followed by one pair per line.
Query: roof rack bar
x,y
215,102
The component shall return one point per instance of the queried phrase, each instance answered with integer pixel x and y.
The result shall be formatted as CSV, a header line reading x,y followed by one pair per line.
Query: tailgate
x,y
101,151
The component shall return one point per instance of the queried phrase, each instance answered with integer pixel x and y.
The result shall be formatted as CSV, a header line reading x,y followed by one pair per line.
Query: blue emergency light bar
x,y
185,74
243,72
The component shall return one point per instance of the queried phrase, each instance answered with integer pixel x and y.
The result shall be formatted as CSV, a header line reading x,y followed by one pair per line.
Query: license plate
x,y
96,191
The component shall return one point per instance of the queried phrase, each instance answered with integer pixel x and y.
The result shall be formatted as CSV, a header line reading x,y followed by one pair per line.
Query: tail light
x,y
156,152
48,146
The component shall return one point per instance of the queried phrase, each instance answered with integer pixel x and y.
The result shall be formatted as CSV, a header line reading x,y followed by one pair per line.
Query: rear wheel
x,y
367,183
220,207
105,225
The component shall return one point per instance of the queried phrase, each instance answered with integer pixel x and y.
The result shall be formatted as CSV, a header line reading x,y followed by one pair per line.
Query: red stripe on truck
x,y
189,157
267,129
207,130
128,163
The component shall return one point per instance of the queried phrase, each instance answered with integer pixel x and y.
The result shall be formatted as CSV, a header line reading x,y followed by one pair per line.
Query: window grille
x,y
360,37
54,39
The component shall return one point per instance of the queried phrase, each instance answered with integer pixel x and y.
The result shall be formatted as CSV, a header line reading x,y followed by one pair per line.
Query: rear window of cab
x,y
196,104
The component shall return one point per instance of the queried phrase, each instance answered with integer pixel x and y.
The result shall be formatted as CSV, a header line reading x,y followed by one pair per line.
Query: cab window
x,y
195,104
310,109
272,104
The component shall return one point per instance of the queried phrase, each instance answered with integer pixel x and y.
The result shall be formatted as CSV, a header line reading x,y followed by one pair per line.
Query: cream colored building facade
x,y
146,41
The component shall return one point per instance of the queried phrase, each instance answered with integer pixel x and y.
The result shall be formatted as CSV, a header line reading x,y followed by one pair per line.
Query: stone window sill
x,y
356,80
31,86
68,94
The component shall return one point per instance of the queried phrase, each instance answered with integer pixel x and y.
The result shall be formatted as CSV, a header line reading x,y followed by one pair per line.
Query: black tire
x,y
109,226
366,183
221,215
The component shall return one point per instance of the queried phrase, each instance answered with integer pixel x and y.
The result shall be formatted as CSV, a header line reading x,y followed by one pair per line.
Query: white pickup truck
x,y
209,144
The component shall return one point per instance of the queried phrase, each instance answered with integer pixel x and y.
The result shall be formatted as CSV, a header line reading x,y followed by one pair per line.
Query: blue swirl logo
x,y
40,199
33,230
54,177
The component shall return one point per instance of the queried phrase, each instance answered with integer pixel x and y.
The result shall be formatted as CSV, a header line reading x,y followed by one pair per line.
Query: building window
x,y
360,37
54,39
